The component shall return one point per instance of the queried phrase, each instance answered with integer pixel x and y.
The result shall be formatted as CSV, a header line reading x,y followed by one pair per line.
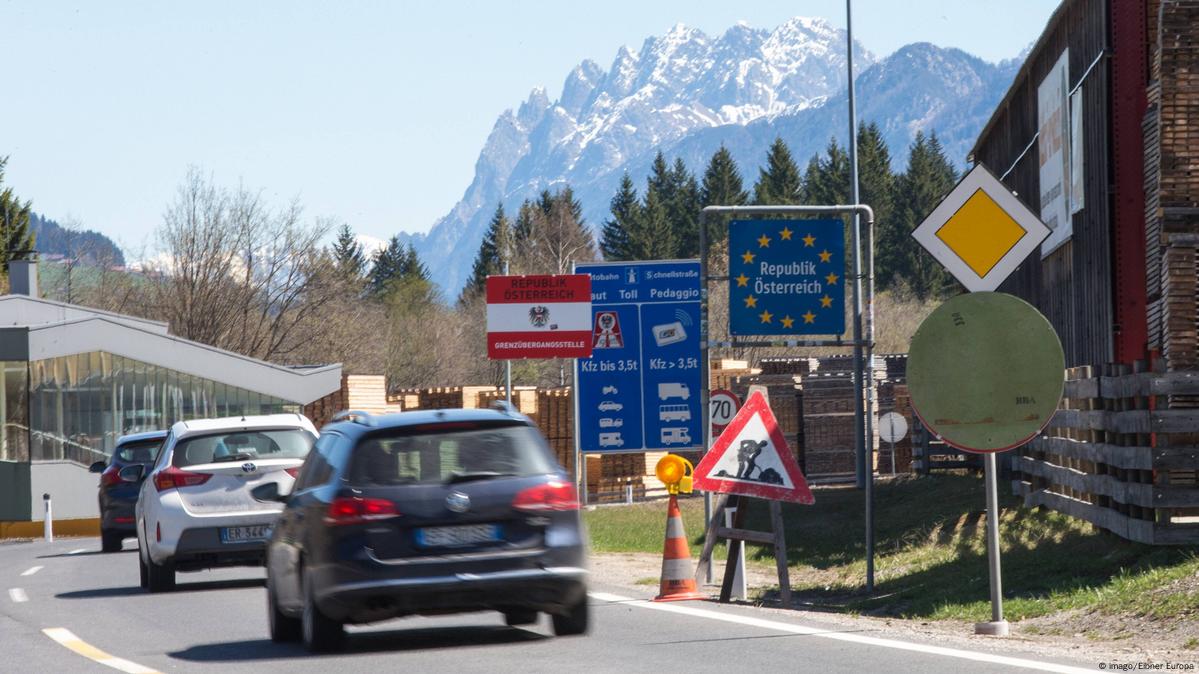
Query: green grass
x,y
931,556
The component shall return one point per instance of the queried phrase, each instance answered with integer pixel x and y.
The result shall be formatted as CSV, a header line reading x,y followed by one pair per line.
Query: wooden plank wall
x,y
1073,286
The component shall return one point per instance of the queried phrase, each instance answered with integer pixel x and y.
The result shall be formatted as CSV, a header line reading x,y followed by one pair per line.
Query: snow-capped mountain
x,y
686,93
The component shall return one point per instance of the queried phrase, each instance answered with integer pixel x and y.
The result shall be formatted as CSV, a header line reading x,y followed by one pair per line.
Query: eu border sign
x,y
640,389
786,277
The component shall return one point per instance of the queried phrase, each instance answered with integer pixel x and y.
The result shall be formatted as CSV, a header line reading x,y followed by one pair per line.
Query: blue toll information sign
x,y
640,389
786,277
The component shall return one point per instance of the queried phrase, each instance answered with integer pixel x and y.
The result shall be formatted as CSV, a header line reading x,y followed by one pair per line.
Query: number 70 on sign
x,y
722,407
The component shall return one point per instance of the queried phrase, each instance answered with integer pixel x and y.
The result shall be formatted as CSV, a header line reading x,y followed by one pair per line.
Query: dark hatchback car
x,y
119,496
425,513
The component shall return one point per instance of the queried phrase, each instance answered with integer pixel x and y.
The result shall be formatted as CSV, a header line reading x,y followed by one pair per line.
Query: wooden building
x,y
1099,134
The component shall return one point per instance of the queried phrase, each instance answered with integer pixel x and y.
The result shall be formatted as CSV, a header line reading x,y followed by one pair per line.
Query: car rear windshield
x,y
446,452
291,443
138,451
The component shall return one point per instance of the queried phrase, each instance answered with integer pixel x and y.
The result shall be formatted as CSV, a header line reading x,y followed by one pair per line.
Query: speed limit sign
x,y
722,407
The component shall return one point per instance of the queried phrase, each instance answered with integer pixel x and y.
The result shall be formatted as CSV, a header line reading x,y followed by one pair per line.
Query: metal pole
x,y
507,363
893,470
705,354
998,626
858,422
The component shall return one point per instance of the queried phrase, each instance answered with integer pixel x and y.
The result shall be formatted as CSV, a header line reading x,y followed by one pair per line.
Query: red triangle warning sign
x,y
751,458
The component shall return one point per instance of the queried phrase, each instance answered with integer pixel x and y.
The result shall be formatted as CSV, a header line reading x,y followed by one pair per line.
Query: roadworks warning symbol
x,y
606,334
751,458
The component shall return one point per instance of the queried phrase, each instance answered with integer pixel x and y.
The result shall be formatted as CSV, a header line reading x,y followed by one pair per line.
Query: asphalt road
x,y
82,606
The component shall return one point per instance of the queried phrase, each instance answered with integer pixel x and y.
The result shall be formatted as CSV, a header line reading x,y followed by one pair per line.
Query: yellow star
x,y
742,281
748,257
765,316
825,256
809,317
826,302
809,241
831,278
787,321
763,241
751,302
785,235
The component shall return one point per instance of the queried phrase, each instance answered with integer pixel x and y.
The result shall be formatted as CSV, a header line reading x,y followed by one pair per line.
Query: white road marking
x,y
18,595
841,636
31,571
67,639
75,552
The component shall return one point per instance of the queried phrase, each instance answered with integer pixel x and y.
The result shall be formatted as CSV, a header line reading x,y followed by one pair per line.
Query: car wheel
x,y
520,617
321,633
110,541
573,621
160,577
284,628
142,572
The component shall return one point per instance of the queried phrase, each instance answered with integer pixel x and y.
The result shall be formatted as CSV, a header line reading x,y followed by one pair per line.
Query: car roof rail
x,y
505,407
355,417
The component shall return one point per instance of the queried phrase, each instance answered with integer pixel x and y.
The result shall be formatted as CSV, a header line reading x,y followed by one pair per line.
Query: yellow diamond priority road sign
x,y
981,232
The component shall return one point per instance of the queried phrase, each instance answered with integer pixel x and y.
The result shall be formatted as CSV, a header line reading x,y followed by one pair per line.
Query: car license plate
x,y
444,537
254,534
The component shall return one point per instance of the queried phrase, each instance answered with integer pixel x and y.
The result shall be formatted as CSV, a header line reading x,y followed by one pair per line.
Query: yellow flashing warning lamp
x,y
675,472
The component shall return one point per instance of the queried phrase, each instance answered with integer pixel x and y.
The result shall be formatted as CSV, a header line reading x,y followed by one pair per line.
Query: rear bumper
x,y
550,589
202,549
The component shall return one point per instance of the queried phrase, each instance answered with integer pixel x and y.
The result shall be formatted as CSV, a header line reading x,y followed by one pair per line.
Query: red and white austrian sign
x,y
539,316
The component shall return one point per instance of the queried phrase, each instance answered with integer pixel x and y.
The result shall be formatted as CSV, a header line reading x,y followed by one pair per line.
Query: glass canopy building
x,y
73,380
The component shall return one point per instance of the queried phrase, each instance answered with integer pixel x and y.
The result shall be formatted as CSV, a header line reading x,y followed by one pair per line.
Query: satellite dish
x,y
985,372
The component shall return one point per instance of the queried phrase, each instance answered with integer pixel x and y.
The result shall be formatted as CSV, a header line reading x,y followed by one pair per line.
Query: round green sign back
x,y
985,372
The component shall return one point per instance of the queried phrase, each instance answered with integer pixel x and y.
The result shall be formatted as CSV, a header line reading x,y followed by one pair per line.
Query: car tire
x,y
321,633
284,628
142,572
111,541
160,577
520,617
574,621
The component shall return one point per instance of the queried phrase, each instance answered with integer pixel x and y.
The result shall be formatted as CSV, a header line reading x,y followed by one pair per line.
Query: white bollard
x,y
739,589
628,494
48,526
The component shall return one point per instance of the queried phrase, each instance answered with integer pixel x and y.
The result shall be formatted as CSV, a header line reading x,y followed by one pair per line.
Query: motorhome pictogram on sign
x,y
751,458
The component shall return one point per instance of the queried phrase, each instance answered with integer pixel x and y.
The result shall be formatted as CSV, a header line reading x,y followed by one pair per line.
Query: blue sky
x,y
372,113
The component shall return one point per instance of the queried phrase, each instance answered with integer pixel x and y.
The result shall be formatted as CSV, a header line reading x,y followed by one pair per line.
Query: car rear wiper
x,y
243,456
457,477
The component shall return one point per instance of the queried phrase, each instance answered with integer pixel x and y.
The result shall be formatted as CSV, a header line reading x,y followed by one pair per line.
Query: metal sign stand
x,y
864,372
998,627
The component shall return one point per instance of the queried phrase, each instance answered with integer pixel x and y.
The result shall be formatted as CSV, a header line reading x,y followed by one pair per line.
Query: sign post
x,y
985,369
891,428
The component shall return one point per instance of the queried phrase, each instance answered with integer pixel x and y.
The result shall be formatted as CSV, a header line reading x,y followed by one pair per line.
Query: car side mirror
x,y
133,473
269,492
97,467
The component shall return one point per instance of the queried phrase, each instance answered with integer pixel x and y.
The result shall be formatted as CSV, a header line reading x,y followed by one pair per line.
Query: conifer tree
x,y
558,235
497,246
653,237
779,182
388,266
829,183
722,186
876,187
16,238
614,238
929,177
347,254
683,210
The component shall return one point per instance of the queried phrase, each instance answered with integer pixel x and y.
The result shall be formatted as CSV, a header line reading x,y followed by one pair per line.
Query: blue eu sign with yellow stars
x,y
786,277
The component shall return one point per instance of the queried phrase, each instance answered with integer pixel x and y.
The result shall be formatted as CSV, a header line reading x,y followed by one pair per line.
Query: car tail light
x,y
294,472
111,476
355,510
553,495
173,478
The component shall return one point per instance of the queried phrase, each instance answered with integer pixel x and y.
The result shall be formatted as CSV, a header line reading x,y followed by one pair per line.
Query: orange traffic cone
x,y
678,581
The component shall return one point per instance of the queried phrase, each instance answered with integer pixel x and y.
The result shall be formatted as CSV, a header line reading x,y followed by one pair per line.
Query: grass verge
x,y
931,554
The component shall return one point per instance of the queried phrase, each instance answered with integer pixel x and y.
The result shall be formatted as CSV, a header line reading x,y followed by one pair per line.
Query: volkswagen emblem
x,y
248,467
458,502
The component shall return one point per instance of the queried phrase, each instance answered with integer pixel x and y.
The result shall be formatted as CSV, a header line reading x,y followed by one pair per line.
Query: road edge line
x,y
68,640
842,636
